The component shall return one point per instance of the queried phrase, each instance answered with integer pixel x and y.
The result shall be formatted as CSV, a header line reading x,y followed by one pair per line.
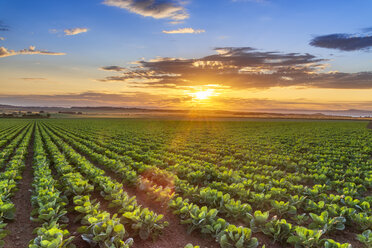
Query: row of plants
x,y
98,227
48,202
11,175
12,140
141,221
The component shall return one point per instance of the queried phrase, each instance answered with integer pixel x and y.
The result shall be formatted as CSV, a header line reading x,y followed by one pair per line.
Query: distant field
x,y
169,183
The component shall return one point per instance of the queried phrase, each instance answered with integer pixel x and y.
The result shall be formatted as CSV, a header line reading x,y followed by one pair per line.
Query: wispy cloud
x,y
33,79
4,52
239,68
75,31
157,9
113,68
366,30
91,98
344,42
253,1
184,31
3,26
176,22
53,31
267,104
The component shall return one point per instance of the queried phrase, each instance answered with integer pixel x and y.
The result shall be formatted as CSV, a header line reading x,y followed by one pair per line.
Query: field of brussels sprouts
x,y
174,184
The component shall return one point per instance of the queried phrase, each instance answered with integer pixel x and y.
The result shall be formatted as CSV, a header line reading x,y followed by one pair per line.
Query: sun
x,y
203,95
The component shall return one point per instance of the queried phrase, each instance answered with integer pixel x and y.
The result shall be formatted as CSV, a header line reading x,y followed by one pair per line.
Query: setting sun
x,y
203,95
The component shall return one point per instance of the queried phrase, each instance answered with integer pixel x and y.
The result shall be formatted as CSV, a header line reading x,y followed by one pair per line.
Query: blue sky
x,y
118,36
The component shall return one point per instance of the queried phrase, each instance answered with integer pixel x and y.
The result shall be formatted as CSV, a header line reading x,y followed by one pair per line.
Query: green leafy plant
x,y
191,246
258,220
365,238
301,218
304,237
282,208
104,231
144,222
323,221
239,237
329,243
51,236
279,230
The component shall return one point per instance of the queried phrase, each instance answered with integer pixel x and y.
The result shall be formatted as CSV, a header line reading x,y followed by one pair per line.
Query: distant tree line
x,y
28,114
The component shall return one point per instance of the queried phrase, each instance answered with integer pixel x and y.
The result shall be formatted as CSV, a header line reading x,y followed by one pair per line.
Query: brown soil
x,y
21,228
267,241
73,226
345,237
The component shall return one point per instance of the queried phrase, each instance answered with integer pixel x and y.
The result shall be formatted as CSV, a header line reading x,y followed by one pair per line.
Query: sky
x,y
242,55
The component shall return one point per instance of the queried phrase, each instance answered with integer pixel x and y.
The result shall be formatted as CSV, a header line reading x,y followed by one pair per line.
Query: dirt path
x,y
21,228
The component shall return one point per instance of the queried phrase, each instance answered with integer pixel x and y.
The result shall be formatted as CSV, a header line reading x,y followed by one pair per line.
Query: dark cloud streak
x,y
343,42
3,27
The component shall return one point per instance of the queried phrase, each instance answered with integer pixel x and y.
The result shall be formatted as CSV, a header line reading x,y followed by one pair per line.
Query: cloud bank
x,y
141,99
157,9
4,52
90,98
343,42
184,31
75,31
238,68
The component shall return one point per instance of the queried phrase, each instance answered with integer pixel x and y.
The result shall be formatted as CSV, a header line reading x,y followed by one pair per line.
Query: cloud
x,y
113,68
239,68
142,99
367,30
264,2
301,105
91,98
152,8
75,31
33,79
176,22
184,31
2,38
4,52
343,42
3,27
53,31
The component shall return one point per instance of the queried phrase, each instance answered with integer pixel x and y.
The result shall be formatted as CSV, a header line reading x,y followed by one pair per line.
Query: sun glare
x,y
203,95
